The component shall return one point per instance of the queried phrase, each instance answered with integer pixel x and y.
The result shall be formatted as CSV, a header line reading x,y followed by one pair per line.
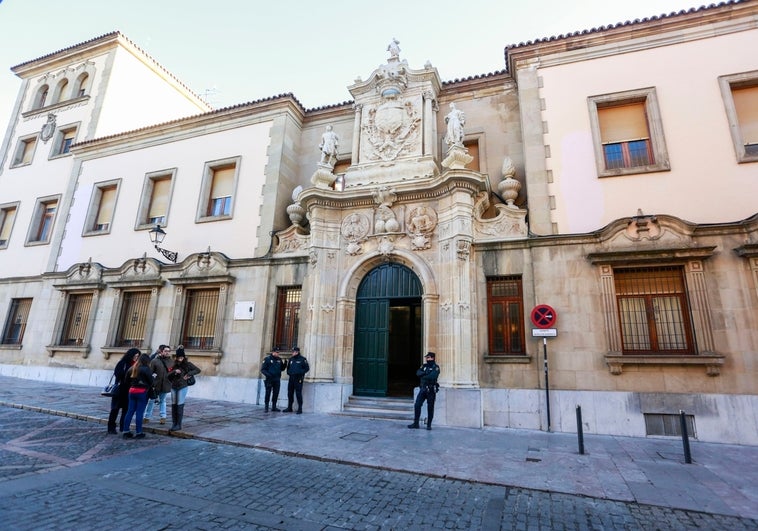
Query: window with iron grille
x,y
653,310
77,316
15,326
200,314
505,309
287,317
131,326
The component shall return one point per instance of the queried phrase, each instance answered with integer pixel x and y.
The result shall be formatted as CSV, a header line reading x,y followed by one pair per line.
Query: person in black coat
x,y
297,367
120,401
140,379
272,368
428,374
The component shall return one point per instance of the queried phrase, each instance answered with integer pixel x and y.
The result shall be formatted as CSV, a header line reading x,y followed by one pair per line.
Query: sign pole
x,y
547,384
543,318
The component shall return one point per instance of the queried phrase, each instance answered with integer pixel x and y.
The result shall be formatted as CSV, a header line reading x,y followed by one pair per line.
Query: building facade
x,y
610,175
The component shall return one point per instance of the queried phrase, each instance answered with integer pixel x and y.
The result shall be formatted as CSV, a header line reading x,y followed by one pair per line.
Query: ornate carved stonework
x,y
463,249
391,129
48,129
642,227
292,240
420,223
355,229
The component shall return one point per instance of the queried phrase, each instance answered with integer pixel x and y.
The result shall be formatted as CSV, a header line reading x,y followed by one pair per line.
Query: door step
x,y
379,407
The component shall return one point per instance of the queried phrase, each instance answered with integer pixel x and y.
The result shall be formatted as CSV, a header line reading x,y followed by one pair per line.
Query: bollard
x,y
685,437
579,431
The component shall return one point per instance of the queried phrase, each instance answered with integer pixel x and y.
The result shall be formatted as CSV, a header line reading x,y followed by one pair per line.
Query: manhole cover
x,y
360,437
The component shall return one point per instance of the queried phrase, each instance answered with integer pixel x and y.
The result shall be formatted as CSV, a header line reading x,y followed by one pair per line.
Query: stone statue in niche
x,y
329,146
455,121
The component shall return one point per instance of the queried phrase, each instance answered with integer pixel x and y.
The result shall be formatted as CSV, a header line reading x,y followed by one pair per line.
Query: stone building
x,y
609,175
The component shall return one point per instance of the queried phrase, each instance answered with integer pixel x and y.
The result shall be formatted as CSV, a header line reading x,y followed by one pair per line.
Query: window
x,y
40,98
628,133
80,88
15,326
505,309
25,151
653,310
219,183
740,95
65,137
131,326
287,317
668,425
7,217
200,315
76,319
102,205
155,199
41,227
60,91
472,146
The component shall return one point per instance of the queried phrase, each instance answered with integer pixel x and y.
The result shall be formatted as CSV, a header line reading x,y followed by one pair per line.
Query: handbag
x,y
111,389
191,380
152,394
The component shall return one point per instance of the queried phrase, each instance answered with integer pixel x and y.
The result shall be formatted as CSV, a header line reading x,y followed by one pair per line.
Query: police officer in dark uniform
x,y
296,369
428,373
272,369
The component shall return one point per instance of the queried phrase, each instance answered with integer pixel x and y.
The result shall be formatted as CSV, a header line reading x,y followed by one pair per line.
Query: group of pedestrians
x,y
145,383
142,382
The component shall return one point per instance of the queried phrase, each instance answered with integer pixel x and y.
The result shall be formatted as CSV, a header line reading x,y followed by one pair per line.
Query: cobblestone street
x,y
62,473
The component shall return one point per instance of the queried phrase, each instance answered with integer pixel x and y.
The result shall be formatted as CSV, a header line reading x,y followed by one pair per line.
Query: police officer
x,y
428,373
296,369
272,369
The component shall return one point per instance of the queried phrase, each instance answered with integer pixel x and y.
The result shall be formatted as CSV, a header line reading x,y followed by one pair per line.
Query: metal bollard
x,y
579,430
685,437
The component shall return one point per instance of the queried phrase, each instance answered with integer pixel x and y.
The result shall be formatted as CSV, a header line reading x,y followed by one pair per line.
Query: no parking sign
x,y
543,316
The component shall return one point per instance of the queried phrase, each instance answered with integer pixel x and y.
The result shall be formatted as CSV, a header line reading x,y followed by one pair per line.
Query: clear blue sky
x,y
248,49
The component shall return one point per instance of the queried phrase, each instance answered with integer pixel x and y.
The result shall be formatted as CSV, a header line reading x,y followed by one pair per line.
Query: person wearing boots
x,y
272,369
297,367
428,387
120,402
178,374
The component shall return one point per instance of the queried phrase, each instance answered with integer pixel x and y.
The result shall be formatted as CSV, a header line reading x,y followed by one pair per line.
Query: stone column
x,y
430,120
358,108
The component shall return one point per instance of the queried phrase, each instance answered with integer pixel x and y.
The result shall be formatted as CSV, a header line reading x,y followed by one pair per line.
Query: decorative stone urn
x,y
509,187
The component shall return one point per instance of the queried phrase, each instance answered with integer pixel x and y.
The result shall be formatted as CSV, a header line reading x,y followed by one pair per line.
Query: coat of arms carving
x,y
392,129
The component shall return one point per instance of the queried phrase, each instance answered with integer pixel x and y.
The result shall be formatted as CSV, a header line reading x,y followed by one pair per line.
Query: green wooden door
x,y
371,340
382,288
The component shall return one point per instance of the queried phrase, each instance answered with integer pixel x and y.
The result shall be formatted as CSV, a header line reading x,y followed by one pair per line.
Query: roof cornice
x,y
686,25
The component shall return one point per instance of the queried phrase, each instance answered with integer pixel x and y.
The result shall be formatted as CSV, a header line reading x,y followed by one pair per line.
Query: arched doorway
x,y
388,332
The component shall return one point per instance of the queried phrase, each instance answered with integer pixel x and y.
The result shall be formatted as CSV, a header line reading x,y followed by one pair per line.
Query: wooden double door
x,y
388,332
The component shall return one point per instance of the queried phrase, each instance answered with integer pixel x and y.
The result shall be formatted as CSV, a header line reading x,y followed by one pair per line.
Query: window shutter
x,y
107,203
623,123
5,230
223,182
746,104
159,201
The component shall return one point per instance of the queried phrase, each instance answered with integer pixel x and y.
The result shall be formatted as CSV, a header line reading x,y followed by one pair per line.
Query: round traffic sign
x,y
543,316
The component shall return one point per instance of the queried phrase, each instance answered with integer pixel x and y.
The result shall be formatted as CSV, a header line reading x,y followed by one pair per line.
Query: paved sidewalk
x,y
723,479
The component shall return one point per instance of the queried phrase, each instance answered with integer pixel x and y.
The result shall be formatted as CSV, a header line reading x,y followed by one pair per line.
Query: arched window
x,y
60,91
41,97
81,88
